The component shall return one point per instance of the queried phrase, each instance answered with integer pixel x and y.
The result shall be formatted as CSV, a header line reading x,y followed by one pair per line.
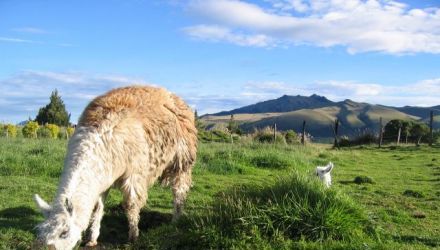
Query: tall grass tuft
x,y
292,208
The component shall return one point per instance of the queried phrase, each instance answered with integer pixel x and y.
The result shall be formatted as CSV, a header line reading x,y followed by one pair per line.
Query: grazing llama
x,y
127,138
323,172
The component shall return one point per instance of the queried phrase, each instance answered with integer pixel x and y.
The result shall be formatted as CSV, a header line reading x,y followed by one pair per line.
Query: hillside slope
x,y
354,117
283,104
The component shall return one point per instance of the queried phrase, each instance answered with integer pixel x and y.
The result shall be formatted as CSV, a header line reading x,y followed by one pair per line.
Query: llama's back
x,y
167,122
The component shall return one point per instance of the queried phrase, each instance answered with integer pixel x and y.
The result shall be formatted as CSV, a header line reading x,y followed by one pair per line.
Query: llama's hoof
x,y
92,244
133,236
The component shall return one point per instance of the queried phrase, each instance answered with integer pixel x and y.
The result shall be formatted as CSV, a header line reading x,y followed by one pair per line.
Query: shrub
x,y
70,131
43,132
362,139
363,179
344,141
292,137
30,129
10,130
53,129
265,135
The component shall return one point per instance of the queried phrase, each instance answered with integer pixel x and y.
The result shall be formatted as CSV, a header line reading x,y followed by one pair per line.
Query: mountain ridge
x,y
288,112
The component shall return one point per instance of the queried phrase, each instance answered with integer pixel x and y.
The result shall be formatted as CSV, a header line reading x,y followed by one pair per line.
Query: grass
x,y
251,196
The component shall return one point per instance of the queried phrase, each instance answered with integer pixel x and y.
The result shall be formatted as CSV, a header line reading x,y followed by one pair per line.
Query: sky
x,y
218,54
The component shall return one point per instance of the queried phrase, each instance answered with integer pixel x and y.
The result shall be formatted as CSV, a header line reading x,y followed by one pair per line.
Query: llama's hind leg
x,y
181,185
135,196
95,221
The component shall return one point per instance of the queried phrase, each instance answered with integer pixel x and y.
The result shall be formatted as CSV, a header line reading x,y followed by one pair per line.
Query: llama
x,y
127,138
323,172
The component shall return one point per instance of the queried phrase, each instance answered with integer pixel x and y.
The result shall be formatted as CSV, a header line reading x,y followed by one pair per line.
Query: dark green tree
x,y
419,130
392,128
54,112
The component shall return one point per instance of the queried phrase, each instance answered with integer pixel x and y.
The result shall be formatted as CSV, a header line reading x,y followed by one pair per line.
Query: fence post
x,y
431,121
274,133
380,132
335,133
303,139
398,134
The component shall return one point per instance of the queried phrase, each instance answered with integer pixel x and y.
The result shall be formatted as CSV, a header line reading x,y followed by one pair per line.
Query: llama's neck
x,y
86,174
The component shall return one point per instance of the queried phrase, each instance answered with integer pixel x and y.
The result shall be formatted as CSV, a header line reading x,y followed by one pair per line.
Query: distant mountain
x,y
288,112
422,112
283,104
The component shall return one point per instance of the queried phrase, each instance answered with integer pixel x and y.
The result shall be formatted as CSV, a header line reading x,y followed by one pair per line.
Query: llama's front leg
x,y
181,186
95,221
134,199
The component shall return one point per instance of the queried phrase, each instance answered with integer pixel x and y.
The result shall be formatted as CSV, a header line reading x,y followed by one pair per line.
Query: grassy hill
x,y
283,104
355,117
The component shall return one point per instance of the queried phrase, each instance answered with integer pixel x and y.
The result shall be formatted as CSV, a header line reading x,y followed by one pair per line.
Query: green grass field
x,y
251,196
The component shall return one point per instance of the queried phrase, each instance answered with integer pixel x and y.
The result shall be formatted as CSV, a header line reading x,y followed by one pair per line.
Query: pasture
x,y
251,196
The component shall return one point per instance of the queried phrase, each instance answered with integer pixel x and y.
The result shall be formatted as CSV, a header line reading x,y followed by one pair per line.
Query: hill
x,y
283,104
319,114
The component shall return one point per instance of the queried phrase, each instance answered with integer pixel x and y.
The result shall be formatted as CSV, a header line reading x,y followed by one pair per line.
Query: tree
x,y
392,128
233,127
54,112
419,130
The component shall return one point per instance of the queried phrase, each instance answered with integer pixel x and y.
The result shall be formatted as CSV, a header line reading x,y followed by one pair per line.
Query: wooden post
x,y
398,134
380,132
335,133
274,133
431,134
303,137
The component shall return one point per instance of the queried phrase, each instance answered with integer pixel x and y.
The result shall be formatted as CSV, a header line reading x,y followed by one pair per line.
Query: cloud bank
x,y
22,94
360,26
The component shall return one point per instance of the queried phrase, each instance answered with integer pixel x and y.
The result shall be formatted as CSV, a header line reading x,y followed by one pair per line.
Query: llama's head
x,y
323,172
59,230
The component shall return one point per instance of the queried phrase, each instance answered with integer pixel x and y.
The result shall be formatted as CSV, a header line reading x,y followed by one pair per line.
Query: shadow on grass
x,y
23,218
346,182
431,242
114,225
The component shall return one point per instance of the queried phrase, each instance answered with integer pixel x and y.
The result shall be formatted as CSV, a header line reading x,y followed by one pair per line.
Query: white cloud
x,y
31,30
422,93
17,40
361,26
217,33
21,95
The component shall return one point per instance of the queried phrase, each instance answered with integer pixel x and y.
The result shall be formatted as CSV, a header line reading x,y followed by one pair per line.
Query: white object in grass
x,y
323,172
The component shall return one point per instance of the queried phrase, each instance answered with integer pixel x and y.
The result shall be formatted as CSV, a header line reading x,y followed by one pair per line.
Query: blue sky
x,y
218,54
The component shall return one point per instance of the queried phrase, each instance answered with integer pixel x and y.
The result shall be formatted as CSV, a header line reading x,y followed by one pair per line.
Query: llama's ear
x,y
329,167
69,206
42,205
